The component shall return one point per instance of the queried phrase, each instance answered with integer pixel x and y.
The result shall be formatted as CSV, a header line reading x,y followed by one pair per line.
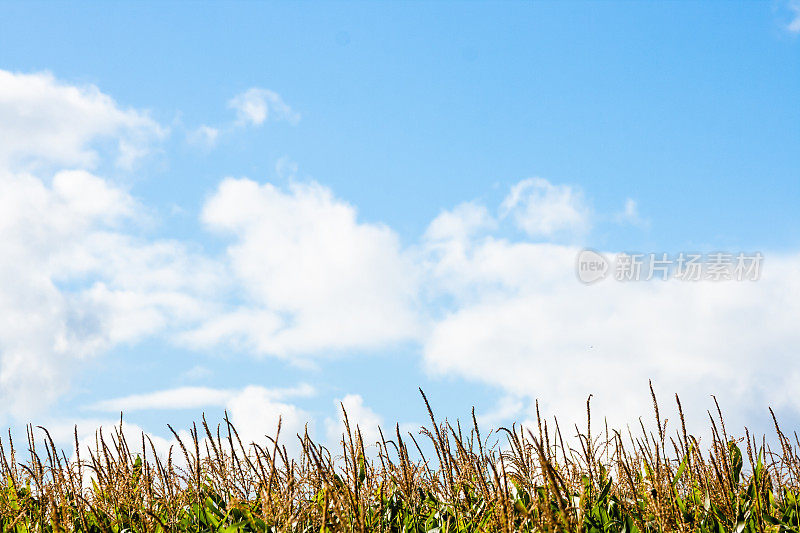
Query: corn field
x,y
527,480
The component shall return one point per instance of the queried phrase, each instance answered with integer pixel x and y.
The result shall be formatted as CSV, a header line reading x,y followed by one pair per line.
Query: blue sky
x,y
382,119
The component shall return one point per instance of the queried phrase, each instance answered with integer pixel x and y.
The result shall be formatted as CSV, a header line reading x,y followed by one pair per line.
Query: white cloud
x,y
544,210
285,168
255,413
460,224
359,416
197,373
630,214
317,280
302,276
194,397
41,325
75,282
794,24
631,210
180,398
46,122
255,106
507,409
521,321
90,431
204,136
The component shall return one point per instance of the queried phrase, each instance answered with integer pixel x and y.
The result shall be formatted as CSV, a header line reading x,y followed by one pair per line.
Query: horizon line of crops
x,y
648,481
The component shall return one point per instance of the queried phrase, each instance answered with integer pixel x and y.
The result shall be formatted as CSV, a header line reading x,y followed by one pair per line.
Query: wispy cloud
x,y
204,136
253,107
542,209
180,398
794,24
256,105
192,398
630,215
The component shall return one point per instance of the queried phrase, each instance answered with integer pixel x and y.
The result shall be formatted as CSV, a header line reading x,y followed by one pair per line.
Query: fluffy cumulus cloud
x,y
79,278
521,321
76,280
255,106
74,284
316,279
44,121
